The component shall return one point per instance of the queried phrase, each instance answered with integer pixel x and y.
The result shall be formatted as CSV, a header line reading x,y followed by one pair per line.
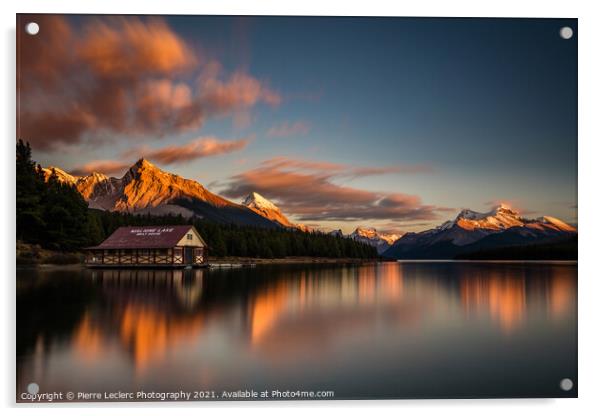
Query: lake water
x,y
409,330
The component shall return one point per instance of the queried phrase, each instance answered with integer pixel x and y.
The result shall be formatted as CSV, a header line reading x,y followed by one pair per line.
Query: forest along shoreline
x,y
55,225
36,256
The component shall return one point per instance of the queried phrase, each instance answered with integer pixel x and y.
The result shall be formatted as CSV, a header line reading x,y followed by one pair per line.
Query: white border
x,y
590,178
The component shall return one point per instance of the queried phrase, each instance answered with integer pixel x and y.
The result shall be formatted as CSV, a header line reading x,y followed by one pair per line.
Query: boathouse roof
x,y
163,236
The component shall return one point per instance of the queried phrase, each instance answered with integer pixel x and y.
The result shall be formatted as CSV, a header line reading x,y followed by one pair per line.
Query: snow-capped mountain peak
x,y
61,175
468,214
502,225
499,218
368,232
255,200
269,210
369,235
142,163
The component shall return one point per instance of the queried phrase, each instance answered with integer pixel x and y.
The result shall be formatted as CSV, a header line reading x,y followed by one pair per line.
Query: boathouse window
x,y
189,236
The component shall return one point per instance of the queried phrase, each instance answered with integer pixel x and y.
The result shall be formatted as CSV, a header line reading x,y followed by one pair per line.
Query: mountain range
x,y
381,241
369,235
145,188
472,232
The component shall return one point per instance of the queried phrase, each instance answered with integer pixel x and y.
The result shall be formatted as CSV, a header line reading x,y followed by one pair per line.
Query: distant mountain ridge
x,y
381,241
473,231
369,235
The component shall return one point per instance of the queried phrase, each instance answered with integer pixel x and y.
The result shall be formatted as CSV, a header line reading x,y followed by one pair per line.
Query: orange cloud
x,y
281,162
124,75
341,169
287,129
164,106
196,149
306,190
103,166
405,169
238,92
128,47
43,60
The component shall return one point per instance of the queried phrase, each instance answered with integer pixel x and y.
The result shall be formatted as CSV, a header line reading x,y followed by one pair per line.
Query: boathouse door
x,y
188,255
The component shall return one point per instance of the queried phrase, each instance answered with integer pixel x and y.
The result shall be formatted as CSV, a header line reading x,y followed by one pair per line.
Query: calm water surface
x,y
411,330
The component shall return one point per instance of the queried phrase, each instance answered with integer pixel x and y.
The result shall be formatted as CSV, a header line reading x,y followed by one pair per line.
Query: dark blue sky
x,y
488,107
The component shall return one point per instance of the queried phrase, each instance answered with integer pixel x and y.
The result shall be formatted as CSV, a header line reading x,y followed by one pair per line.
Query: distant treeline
x,y
565,249
55,216
234,240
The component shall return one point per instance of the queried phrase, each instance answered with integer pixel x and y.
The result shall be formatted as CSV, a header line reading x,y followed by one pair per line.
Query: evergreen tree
x,y
65,213
50,213
30,184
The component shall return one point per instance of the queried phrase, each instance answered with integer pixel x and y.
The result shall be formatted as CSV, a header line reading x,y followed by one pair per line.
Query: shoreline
x,y
292,260
250,262
239,261
31,255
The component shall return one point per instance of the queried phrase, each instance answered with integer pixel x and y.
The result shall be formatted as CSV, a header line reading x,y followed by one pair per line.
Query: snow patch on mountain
x,y
267,209
60,175
369,235
255,200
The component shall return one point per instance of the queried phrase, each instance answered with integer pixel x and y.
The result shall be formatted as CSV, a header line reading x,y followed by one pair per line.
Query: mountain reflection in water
x,y
378,330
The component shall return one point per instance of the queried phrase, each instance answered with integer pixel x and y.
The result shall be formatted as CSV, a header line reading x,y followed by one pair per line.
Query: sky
x,y
394,123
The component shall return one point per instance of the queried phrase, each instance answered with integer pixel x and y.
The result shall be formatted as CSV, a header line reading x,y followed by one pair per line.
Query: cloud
x,y
103,166
196,149
239,92
287,129
281,162
43,59
514,204
343,170
306,189
129,46
121,75
163,105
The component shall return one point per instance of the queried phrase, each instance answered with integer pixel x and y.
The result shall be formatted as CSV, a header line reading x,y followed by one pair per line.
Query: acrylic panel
x,y
295,208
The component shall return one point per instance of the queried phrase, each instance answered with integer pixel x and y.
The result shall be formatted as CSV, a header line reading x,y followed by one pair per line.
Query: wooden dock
x,y
231,265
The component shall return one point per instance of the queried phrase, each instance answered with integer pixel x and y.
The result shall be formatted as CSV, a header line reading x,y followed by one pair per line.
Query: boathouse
x,y
152,246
